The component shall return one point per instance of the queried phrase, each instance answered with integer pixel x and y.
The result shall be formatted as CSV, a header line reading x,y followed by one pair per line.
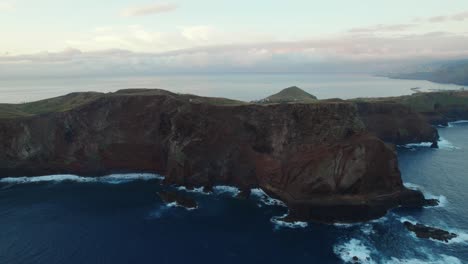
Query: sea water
x,y
240,86
121,219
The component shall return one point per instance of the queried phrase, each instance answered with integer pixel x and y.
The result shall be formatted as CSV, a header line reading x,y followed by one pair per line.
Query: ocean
x,y
246,87
120,218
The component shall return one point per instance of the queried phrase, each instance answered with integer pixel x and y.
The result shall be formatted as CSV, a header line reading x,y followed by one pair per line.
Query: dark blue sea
x,y
121,219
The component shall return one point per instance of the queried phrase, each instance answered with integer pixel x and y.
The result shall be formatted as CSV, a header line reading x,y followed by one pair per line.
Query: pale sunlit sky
x,y
211,33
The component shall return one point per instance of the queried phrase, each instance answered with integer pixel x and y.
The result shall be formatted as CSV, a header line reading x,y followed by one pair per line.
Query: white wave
x,y
199,190
442,143
219,189
458,122
445,144
407,219
266,199
278,222
222,189
110,179
419,145
443,259
346,225
412,186
354,248
383,219
367,229
175,204
462,236
443,201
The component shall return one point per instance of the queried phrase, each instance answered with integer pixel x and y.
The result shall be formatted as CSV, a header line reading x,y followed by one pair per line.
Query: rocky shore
x,y
326,160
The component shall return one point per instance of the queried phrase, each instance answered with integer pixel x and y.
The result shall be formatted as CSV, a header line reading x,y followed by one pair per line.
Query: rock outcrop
x,y
428,232
320,158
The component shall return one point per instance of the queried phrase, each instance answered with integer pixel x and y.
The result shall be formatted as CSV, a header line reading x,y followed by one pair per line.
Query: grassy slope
x,y
57,104
426,102
421,102
71,101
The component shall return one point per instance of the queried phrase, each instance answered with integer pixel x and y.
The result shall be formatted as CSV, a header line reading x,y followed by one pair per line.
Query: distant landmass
x,y
452,72
292,94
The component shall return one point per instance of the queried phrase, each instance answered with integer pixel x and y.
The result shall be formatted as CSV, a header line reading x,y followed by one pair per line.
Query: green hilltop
x,y
292,94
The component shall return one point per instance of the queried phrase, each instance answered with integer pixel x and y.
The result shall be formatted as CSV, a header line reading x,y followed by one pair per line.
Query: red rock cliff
x,y
318,158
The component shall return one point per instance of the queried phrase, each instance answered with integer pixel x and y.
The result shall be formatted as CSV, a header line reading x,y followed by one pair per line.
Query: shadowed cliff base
x,y
323,159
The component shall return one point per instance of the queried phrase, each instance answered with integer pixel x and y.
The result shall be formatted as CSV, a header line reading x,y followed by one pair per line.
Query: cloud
x,y
275,55
4,6
460,16
455,17
198,33
148,9
382,28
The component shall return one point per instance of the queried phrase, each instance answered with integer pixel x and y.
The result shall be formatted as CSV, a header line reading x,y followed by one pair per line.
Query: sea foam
x,y
266,199
442,259
441,198
223,189
445,144
109,179
450,124
354,248
442,143
279,223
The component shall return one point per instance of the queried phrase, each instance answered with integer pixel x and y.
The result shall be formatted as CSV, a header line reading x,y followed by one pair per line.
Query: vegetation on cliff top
x,y
420,102
57,104
426,102
74,100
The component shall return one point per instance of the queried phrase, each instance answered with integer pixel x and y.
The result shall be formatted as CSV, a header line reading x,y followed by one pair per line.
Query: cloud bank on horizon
x,y
152,36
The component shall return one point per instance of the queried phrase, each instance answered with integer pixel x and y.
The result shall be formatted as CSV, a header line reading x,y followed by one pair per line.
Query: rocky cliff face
x,y
396,123
319,158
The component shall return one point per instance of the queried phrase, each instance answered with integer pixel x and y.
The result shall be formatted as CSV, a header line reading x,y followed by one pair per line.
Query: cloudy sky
x,y
180,35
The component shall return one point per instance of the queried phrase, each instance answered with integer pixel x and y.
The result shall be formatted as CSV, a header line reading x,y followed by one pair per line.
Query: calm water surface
x,y
246,87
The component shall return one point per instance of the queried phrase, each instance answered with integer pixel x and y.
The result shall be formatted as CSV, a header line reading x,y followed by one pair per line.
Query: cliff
x,y
396,123
319,158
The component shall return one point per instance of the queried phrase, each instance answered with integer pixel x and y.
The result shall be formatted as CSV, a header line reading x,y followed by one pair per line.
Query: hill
x,y
292,94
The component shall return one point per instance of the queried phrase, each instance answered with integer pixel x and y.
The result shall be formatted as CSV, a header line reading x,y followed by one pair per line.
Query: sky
x,y
67,37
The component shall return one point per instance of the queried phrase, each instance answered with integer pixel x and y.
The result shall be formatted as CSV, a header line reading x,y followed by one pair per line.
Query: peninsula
x,y
327,160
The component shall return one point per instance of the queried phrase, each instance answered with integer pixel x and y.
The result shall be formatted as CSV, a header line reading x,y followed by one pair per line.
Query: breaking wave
x,y
279,223
442,259
441,198
442,143
110,179
222,189
355,248
450,124
349,251
445,144
266,199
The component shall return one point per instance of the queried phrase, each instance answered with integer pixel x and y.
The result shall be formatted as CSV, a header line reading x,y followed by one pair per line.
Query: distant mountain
x,y
452,72
292,94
